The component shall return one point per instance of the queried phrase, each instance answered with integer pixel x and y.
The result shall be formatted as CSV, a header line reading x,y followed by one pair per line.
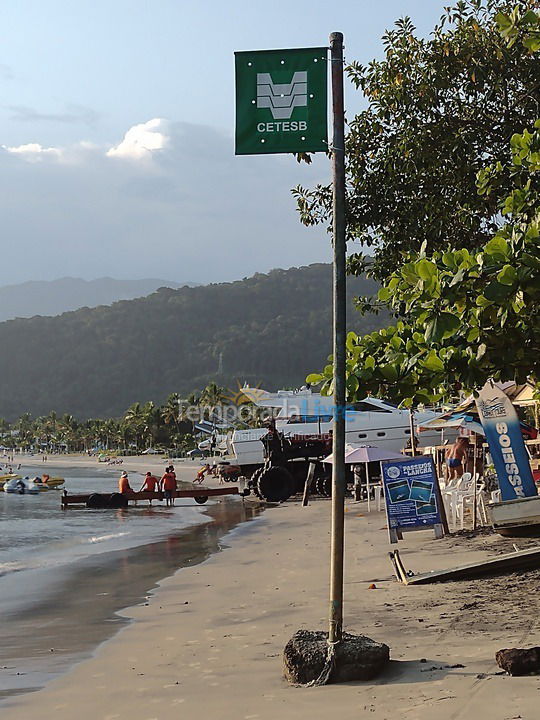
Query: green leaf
x,y
473,334
441,327
390,372
433,362
449,259
352,384
497,248
369,363
530,18
496,292
384,294
530,261
426,269
352,338
314,378
532,43
507,275
503,21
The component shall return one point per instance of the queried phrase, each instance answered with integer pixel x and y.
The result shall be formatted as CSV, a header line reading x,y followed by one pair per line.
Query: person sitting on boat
x,y
123,484
150,484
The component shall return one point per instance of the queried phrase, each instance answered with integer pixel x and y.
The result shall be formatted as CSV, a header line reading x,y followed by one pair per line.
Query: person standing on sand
x,y
455,457
168,485
150,483
123,484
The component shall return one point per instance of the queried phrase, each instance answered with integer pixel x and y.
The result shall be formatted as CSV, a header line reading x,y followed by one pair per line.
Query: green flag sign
x,y
281,101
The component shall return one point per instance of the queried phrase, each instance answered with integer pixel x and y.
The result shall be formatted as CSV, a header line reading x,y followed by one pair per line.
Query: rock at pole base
x,y
357,657
516,661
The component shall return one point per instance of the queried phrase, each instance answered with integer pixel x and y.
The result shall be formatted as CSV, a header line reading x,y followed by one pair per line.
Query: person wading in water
x,y
168,485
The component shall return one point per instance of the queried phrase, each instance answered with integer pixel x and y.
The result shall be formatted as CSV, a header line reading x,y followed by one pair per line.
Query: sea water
x,y
65,575
37,534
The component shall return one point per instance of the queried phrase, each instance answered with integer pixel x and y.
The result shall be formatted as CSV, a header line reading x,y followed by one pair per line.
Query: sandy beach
x,y
137,464
210,639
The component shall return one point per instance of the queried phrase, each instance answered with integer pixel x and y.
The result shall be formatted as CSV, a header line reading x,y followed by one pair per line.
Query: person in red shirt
x,y
168,485
123,484
150,484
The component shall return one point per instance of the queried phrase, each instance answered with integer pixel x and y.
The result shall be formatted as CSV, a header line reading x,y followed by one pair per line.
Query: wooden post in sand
x,y
340,337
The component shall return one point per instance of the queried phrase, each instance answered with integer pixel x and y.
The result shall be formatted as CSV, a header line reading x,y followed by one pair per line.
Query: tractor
x,y
286,464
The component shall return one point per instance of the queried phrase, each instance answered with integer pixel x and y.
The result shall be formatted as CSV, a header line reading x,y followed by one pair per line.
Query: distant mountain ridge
x,y
270,329
54,297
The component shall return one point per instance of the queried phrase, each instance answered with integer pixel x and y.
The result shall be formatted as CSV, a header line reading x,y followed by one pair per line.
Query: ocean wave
x,y
104,538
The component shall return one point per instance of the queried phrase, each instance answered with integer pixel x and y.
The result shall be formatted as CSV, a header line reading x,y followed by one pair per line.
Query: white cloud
x,y
34,152
141,141
193,209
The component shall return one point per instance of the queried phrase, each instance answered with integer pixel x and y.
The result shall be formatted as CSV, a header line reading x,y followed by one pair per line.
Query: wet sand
x,y
82,606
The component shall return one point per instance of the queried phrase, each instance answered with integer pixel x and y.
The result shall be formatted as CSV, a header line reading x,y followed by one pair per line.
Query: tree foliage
x,y
440,109
464,316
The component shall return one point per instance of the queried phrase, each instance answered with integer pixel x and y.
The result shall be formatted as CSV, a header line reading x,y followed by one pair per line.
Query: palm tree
x,y
134,423
170,412
152,422
211,398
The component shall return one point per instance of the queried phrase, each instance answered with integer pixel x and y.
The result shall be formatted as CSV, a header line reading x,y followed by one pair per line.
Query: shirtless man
x,y
123,484
456,457
150,484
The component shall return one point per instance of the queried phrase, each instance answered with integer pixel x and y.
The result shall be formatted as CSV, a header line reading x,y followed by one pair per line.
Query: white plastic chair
x,y
496,496
378,496
466,501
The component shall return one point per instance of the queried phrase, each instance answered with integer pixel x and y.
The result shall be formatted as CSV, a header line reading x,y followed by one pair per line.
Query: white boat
x,y
516,517
303,413
21,486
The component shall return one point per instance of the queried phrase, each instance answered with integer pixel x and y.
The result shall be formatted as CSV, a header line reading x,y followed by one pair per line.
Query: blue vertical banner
x,y
506,446
410,493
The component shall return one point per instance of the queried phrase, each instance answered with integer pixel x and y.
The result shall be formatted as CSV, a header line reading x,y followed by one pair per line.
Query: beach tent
x,y
358,454
454,421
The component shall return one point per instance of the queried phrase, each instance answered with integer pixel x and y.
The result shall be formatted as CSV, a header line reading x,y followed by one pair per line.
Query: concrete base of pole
x,y
357,657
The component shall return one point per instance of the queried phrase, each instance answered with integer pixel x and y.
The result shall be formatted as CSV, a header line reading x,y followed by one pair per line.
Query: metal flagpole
x,y
413,437
339,285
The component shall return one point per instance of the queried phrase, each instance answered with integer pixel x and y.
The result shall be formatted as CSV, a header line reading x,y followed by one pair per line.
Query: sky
x,y
116,135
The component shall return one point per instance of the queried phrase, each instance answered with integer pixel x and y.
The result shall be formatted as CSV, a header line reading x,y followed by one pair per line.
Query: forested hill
x,y
270,329
53,297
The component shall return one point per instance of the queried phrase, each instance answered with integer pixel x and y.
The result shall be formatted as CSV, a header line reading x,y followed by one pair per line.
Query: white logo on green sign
x,y
282,98
281,101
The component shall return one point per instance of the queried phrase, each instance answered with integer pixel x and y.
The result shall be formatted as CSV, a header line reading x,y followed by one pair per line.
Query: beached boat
x,y
516,517
8,476
305,413
52,482
21,486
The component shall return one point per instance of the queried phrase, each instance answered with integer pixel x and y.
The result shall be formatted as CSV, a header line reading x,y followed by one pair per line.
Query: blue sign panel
x,y
507,449
409,490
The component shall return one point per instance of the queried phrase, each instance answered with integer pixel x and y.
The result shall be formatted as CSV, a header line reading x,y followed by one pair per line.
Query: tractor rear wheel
x,y
275,484
254,480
